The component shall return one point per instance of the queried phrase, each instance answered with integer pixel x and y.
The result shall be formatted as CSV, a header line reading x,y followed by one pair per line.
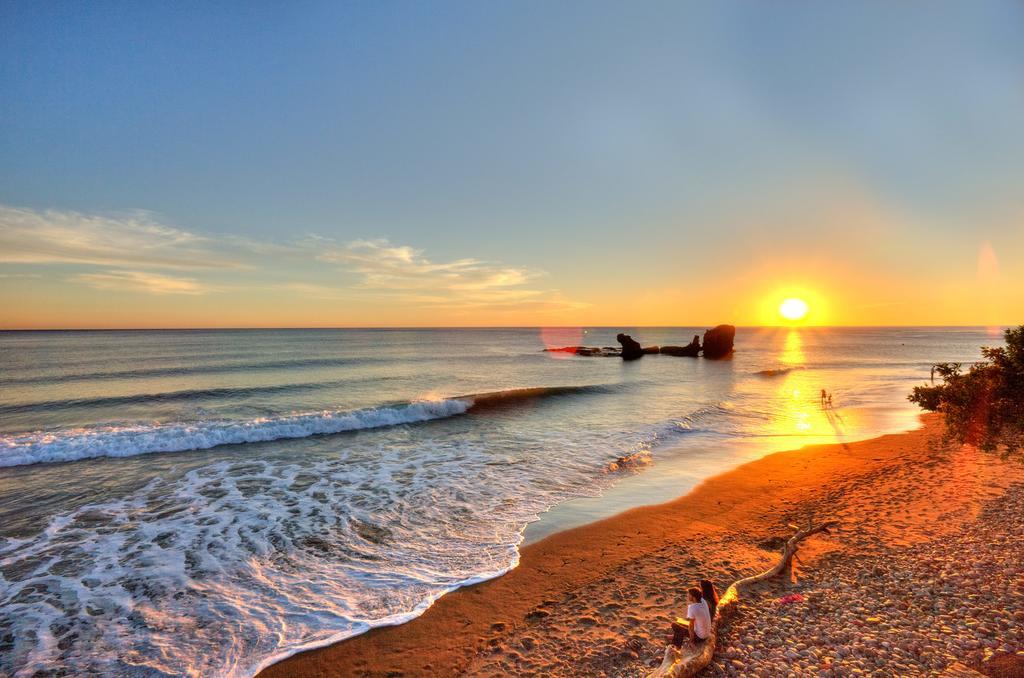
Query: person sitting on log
x,y
710,596
697,624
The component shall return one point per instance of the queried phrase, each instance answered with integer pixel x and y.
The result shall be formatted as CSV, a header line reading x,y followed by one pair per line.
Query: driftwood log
x,y
680,663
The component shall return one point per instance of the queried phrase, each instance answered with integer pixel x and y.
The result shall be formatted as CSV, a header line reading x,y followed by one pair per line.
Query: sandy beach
x,y
597,600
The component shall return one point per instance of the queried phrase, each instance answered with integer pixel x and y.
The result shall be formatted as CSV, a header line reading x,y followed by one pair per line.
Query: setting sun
x,y
793,309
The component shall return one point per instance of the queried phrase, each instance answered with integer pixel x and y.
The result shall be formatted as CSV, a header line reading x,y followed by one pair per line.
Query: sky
x,y
510,163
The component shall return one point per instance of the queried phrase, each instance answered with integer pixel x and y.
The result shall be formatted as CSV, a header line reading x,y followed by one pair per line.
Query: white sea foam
x,y
238,564
129,441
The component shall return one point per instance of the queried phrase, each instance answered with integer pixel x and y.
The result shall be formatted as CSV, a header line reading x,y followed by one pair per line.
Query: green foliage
x,y
983,406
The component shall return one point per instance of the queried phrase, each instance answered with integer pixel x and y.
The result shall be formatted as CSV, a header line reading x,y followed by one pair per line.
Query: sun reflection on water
x,y
801,410
796,415
793,350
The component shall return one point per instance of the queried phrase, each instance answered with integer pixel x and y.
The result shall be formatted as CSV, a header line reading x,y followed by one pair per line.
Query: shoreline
x,y
673,476
579,595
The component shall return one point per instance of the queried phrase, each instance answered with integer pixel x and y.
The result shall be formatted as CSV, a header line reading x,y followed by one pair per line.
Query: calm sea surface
x,y
207,502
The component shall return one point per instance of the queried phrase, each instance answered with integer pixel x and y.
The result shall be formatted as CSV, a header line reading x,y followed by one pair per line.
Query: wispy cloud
x,y
141,281
393,267
405,273
135,239
136,252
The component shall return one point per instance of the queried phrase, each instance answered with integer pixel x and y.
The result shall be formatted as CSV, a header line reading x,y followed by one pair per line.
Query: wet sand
x,y
597,599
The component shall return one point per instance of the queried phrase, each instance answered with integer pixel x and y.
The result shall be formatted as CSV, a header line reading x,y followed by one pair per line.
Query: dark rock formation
x,y
718,341
631,349
680,351
692,350
586,351
605,352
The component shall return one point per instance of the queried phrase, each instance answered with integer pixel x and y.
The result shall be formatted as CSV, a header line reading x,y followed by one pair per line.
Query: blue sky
x,y
865,153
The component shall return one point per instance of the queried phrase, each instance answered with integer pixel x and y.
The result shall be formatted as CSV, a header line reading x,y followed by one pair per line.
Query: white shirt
x,y
701,617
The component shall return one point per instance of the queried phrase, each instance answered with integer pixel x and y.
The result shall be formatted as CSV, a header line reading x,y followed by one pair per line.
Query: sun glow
x,y
793,309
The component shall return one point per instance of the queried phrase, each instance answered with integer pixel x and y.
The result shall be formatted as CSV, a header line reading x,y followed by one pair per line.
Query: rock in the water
x,y
684,351
603,352
692,350
718,341
631,349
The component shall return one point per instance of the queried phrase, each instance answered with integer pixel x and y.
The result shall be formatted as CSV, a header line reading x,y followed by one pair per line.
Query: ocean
x,y
208,502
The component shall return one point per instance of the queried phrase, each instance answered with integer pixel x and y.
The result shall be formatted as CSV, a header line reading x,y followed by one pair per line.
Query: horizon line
x,y
483,327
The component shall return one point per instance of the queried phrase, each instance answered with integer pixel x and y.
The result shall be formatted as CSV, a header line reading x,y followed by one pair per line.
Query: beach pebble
x,y
840,631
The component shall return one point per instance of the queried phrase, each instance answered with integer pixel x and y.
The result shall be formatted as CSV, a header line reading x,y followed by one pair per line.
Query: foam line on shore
x,y
391,620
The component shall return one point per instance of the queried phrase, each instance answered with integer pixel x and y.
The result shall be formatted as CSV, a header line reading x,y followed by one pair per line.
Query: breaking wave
x,y
128,441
